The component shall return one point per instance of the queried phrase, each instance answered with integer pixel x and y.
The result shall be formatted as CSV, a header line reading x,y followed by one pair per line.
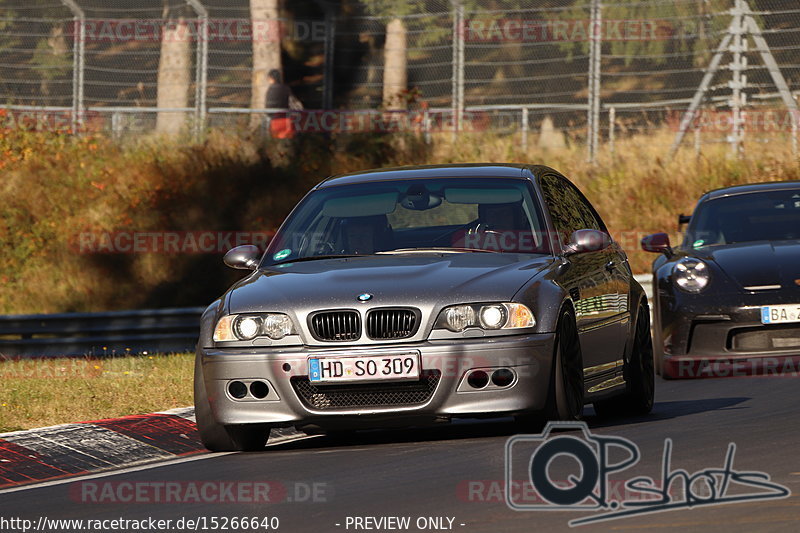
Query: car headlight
x,y
247,327
277,326
691,275
457,318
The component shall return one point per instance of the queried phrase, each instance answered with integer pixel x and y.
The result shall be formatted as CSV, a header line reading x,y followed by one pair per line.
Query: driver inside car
x,y
501,217
501,227
365,235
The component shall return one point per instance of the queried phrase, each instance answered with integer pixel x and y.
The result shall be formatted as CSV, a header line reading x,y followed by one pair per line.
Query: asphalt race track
x,y
456,472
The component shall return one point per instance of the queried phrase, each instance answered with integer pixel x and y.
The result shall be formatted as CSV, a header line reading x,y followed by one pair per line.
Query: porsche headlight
x,y
457,318
247,327
691,275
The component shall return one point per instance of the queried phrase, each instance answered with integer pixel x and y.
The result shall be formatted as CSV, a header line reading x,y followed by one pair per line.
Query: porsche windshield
x,y
757,216
408,216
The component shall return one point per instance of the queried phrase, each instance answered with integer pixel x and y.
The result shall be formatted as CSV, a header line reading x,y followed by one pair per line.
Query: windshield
x,y
406,216
760,216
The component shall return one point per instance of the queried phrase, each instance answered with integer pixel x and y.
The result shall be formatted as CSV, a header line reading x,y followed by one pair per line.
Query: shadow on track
x,y
667,410
502,427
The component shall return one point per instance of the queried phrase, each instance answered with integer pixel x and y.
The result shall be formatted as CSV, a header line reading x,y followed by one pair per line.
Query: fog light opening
x,y
259,389
502,377
237,389
478,379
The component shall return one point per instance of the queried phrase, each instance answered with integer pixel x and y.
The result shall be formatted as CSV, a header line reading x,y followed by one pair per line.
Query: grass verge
x,y
44,392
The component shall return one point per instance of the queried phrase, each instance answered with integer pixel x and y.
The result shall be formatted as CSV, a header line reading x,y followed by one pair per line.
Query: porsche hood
x,y
759,264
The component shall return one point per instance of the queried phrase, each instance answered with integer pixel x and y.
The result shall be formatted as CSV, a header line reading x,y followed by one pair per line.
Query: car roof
x,y
482,170
750,188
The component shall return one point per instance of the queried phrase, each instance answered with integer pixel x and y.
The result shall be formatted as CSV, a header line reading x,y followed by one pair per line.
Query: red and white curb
x,y
68,450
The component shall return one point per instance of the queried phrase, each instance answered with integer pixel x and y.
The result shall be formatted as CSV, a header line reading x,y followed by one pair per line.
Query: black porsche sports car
x,y
731,290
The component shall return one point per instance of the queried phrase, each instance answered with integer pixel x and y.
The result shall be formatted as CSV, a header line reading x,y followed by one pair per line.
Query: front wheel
x,y
216,437
566,391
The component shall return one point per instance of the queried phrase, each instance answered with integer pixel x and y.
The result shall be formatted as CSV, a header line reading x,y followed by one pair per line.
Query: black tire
x,y
216,437
566,390
658,343
639,375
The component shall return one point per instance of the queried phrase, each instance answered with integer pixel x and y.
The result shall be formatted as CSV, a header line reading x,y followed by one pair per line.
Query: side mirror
x,y
243,257
587,240
657,243
684,219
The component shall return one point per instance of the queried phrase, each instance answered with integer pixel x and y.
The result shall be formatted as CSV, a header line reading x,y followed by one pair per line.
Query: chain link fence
x,y
689,72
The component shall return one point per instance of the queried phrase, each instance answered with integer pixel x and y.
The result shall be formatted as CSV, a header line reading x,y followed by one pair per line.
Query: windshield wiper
x,y
446,250
318,258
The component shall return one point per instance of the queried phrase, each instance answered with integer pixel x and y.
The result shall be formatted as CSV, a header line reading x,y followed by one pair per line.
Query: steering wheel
x,y
326,248
483,227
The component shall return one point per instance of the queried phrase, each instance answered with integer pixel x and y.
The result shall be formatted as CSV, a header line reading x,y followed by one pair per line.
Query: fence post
x,y
78,61
593,118
739,80
612,119
696,140
116,126
795,118
458,66
201,67
524,129
426,125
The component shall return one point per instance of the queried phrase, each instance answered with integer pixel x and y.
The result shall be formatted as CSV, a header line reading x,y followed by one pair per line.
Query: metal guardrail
x,y
646,281
106,334
115,333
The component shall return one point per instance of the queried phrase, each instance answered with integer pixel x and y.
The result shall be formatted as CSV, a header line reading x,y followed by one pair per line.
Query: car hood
x,y
417,280
758,264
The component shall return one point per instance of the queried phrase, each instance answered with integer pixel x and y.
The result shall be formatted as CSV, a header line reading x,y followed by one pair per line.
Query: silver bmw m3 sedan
x,y
416,295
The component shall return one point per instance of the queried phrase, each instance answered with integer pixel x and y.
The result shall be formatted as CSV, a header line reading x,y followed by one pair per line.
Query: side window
x,y
568,208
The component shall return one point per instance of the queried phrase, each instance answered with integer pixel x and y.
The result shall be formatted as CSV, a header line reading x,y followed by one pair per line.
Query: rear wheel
x,y
566,392
639,375
215,436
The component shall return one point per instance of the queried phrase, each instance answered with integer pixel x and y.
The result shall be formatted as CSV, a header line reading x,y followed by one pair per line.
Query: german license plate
x,y
351,368
780,314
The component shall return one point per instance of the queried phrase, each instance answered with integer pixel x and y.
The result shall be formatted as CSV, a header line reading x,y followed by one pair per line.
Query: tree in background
x,y
174,74
395,49
266,49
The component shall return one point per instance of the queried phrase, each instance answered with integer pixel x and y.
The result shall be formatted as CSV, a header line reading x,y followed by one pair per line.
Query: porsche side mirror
x,y
243,257
587,240
657,243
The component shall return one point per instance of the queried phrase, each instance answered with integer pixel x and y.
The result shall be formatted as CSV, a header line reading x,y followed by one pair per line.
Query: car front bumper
x,y
726,327
446,363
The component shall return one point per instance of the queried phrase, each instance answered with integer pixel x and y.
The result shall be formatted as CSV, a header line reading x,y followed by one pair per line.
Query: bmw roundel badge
x,y
364,297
